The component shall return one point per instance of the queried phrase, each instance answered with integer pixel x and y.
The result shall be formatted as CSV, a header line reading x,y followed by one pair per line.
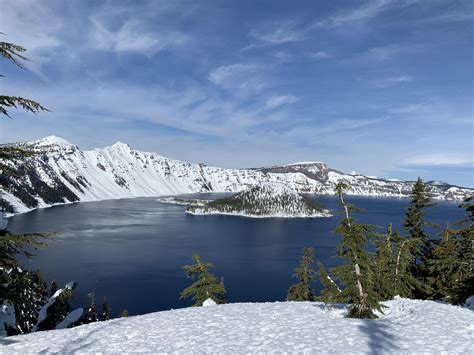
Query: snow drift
x,y
407,326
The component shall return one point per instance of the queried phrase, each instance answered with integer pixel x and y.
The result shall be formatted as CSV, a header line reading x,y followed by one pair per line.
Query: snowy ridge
x,y
408,326
59,172
263,201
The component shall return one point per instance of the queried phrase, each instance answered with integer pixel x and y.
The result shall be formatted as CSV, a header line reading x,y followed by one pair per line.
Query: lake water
x,y
132,250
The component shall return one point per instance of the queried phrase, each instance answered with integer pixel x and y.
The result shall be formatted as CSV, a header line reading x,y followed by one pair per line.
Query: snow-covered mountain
x,y
407,326
56,171
261,201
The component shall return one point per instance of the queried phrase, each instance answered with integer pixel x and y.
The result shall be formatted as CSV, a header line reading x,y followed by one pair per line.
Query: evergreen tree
x,y
331,293
384,266
58,310
124,313
445,267
206,286
90,316
464,284
405,283
357,275
105,314
14,53
415,225
305,275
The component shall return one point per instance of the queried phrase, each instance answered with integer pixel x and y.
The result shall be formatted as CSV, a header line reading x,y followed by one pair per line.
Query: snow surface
x,y
408,326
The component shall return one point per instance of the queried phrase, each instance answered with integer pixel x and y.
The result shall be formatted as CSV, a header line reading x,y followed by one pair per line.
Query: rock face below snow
x,y
263,201
53,171
408,326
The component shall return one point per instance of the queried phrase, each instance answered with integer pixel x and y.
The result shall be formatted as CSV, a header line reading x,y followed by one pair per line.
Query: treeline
x,y
260,200
377,266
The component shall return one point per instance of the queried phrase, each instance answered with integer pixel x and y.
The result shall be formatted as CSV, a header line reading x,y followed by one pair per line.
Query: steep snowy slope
x,y
408,326
59,172
262,201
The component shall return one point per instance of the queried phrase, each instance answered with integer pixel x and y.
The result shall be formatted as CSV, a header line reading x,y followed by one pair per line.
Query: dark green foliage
x,y
464,283
445,267
105,313
405,283
331,293
90,315
58,310
27,292
415,221
14,53
384,266
12,245
261,201
357,274
305,275
206,284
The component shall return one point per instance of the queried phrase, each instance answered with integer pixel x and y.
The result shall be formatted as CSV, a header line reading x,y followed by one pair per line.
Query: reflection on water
x,y
132,250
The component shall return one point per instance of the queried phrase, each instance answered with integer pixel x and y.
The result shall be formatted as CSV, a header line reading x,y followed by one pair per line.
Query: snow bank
x,y
408,326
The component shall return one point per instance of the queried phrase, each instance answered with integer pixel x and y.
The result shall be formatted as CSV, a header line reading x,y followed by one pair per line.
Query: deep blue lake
x,y
132,250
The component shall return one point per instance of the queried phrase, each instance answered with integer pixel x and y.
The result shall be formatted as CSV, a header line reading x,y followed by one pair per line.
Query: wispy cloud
x,y
320,55
238,76
277,32
277,101
365,12
440,159
133,36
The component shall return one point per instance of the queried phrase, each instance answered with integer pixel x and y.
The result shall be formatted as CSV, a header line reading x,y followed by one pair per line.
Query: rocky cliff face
x,y
53,171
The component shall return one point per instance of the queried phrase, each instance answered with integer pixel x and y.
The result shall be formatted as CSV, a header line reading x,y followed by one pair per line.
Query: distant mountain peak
x,y
53,140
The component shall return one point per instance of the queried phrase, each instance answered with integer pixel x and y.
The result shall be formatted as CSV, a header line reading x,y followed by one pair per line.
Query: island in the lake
x,y
261,201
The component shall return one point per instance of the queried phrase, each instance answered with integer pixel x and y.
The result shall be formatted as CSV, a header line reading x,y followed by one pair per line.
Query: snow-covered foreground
x,y
407,326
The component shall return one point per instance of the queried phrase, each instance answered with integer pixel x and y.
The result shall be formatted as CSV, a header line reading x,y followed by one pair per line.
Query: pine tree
x,y
331,293
415,225
357,275
305,274
384,266
405,283
464,284
444,267
105,314
14,53
58,310
90,315
124,313
206,286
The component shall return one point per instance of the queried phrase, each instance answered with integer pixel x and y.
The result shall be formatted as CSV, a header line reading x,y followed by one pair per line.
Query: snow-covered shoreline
x,y
202,212
59,172
408,326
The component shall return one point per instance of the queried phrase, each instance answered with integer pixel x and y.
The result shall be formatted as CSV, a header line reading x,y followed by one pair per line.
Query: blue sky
x,y
383,87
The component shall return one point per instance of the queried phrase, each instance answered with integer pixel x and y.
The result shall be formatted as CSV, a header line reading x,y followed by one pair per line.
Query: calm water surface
x,y
132,250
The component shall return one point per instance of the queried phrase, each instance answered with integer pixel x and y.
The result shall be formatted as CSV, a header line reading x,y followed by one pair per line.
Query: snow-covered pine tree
x,y
357,274
305,275
28,292
124,313
105,313
59,310
206,286
90,315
